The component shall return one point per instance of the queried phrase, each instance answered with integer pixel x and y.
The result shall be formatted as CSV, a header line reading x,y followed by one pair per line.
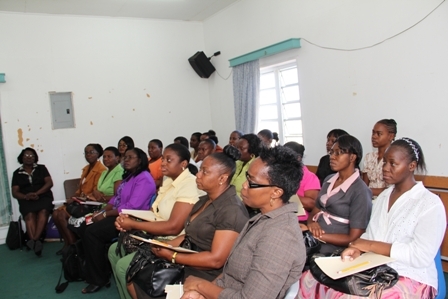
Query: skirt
x,y
35,206
405,288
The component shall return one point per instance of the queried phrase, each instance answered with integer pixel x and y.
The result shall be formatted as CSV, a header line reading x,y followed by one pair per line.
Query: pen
x,y
99,213
353,267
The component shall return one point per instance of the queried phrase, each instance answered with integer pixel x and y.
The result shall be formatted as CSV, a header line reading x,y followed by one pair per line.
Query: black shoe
x,y
38,246
91,288
30,244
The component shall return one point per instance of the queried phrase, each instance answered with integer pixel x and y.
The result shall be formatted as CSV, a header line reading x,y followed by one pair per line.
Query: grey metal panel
x,y
62,110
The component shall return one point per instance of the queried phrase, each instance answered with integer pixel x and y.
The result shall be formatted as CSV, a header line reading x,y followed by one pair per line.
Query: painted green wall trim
x,y
2,78
266,51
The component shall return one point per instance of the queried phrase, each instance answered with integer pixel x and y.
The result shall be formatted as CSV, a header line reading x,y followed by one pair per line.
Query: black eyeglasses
x,y
254,185
337,153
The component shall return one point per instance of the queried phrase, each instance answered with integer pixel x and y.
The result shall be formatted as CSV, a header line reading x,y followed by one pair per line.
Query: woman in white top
x,y
383,134
408,224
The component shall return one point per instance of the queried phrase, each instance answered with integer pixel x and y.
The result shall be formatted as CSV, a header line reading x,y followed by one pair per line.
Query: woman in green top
x,y
249,146
109,179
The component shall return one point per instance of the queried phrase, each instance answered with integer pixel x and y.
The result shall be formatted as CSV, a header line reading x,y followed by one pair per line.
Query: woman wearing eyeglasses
x,y
269,254
31,186
89,180
344,203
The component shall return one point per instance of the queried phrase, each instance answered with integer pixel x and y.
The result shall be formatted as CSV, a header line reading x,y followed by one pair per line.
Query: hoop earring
x,y
183,168
252,156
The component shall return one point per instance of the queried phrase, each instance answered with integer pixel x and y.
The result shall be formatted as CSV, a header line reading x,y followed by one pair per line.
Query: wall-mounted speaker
x,y
201,64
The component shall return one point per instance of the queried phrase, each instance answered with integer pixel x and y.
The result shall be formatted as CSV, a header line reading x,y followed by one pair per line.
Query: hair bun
x,y
232,152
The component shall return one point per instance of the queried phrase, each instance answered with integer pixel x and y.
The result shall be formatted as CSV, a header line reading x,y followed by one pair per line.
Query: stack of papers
x,y
142,214
162,244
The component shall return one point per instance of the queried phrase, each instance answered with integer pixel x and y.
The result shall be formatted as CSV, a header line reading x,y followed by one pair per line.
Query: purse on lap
x,y
369,283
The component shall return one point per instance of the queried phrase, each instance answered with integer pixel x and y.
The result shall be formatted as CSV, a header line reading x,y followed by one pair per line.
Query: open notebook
x,y
162,244
336,268
301,210
142,214
174,291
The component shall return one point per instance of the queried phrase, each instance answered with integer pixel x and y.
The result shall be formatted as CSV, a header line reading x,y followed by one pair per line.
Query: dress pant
x,y
119,267
94,240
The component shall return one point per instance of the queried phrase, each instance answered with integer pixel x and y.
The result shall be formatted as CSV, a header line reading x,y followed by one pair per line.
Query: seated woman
x,y
155,148
408,224
31,186
249,146
124,144
89,181
309,186
108,183
267,136
214,223
269,254
323,168
383,133
344,203
174,202
234,137
206,148
195,139
135,193
111,178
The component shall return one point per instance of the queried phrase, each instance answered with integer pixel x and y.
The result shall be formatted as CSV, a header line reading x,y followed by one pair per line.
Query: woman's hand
x,y
361,245
316,230
124,223
350,254
192,295
164,253
31,196
96,195
98,216
191,283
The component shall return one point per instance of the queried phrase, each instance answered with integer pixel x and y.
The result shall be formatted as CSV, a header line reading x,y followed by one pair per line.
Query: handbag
x,y
151,273
312,246
129,243
368,283
15,237
78,210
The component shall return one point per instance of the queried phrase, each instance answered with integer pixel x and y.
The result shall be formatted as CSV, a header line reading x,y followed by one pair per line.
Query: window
x,y
279,106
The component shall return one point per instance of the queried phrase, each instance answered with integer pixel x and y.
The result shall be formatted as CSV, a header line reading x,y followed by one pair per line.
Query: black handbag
x,y
78,210
129,243
368,283
312,246
15,237
151,273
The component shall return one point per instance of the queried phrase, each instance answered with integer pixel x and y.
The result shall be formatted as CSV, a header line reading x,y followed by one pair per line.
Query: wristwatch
x,y
104,214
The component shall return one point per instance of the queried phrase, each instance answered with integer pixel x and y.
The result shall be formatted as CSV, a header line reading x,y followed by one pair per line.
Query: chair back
x,y
71,186
292,291
441,288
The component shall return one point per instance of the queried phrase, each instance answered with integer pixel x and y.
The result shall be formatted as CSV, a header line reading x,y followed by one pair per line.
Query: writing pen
x,y
353,267
99,213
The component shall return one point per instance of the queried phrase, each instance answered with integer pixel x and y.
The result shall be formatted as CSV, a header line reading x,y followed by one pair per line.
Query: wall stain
x,y
89,98
91,123
20,135
148,95
41,151
27,139
133,109
32,145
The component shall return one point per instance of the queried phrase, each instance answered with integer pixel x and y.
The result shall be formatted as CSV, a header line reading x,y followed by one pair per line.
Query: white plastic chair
x,y
292,291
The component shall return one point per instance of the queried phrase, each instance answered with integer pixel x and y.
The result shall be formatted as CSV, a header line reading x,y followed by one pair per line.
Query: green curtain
x,y
5,195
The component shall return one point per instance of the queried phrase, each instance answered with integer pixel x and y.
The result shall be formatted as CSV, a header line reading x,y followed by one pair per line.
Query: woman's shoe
x,y
38,246
30,244
91,288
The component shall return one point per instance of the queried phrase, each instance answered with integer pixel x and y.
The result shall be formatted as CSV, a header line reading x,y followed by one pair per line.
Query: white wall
x,y
111,65
404,78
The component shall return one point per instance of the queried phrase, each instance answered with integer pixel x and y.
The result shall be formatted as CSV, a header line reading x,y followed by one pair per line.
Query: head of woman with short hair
x,y
234,137
28,153
155,147
272,179
249,145
181,140
175,159
266,137
195,139
297,147
92,152
347,144
111,157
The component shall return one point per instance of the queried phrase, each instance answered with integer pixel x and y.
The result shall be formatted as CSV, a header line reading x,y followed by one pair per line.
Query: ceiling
x,y
186,10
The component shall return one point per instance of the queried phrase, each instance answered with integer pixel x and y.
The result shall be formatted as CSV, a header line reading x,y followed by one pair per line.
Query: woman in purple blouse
x,y
134,192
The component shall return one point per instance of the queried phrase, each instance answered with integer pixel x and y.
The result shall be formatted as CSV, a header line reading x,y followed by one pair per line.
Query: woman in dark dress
x,y
31,186
324,169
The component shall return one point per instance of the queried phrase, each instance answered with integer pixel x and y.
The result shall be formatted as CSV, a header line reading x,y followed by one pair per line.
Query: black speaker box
x,y
201,64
